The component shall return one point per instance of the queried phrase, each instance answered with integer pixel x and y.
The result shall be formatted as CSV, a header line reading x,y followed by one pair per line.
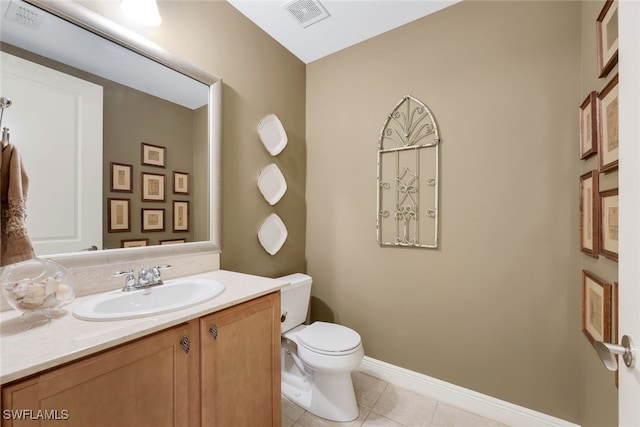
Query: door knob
x,y
626,349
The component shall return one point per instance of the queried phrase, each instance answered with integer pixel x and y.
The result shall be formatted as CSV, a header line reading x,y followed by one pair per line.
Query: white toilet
x,y
317,360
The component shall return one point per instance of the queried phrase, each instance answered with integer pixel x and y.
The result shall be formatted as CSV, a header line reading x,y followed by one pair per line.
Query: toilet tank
x,y
294,300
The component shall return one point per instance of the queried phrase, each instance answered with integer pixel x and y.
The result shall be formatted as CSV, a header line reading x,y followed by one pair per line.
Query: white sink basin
x,y
171,296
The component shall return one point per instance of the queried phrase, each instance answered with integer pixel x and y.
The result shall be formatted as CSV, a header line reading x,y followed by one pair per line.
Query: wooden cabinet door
x,y
240,365
139,384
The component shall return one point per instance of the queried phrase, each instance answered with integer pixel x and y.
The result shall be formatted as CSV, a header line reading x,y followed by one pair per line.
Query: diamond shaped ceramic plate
x,y
272,184
272,234
272,134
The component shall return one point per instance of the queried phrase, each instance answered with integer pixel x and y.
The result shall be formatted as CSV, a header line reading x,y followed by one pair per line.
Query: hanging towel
x,y
15,245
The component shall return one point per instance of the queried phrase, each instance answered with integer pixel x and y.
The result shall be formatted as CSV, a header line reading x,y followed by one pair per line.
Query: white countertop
x,y
28,350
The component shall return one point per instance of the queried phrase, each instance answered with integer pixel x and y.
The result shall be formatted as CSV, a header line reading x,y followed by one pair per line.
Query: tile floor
x,y
386,405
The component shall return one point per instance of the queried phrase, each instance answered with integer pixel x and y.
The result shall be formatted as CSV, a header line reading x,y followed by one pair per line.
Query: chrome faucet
x,y
147,277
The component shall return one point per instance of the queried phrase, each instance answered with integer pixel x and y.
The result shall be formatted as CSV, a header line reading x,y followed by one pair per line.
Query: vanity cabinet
x,y
232,379
142,383
240,365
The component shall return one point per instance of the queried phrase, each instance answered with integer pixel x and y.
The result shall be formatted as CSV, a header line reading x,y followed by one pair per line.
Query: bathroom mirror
x,y
135,60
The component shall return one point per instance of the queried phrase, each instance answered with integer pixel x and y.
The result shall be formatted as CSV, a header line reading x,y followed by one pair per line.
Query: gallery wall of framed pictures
x,y
598,121
598,181
163,196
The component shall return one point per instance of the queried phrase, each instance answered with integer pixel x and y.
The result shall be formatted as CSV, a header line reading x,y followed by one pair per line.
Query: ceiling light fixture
x,y
144,12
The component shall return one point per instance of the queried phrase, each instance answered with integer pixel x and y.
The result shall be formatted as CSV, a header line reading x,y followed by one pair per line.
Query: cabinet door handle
x,y
185,344
213,330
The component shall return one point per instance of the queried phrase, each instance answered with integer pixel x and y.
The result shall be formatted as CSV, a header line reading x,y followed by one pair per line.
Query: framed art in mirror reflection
x,y
180,216
121,177
134,243
180,183
119,215
154,155
152,220
153,187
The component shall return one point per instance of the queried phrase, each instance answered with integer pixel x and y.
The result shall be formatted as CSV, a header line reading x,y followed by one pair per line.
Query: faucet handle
x,y
156,271
157,268
130,280
121,273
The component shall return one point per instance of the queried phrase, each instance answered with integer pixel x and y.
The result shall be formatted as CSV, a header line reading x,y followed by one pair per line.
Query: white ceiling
x,y
349,22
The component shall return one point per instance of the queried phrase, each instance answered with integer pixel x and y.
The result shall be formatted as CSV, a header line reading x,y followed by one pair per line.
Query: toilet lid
x,y
329,337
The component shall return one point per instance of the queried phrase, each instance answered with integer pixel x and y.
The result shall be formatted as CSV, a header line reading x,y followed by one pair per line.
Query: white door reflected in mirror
x,y
60,154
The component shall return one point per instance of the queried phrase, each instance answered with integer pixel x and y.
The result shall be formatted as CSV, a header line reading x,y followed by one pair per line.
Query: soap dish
x,y
272,184
272,234
272,134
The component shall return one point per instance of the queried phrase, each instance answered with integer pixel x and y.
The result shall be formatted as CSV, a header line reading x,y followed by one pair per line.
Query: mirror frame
x,y
97,24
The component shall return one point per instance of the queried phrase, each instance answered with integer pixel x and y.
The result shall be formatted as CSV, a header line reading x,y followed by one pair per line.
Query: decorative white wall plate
x,y
272,234
272,184
272,134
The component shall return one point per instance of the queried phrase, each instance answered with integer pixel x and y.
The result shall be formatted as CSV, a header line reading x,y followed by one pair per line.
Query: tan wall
x,y
260,77
599,394
497,308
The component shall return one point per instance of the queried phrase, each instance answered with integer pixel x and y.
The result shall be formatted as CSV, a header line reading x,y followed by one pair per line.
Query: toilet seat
x,y
329,339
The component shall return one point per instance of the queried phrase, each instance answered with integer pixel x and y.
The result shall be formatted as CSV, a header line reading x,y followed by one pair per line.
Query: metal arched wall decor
x,y
408,177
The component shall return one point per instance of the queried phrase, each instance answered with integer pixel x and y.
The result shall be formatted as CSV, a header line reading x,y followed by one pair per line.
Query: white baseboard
x,y
469,400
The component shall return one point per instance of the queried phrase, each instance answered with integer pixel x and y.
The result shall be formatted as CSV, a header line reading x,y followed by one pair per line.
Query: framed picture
x,y
121,178
589,214
154,155
596,308
616,321
180,183
134,243
118,215
153,187
608,123
172,241
589,126
180,216
607,37
609,224
152,220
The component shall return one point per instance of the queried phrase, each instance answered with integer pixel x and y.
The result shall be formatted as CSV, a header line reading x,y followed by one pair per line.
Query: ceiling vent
x,y
23,15
306,12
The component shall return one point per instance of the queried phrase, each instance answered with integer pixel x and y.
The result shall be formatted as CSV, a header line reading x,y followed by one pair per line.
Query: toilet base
x,y
335,403
333,397
326,395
